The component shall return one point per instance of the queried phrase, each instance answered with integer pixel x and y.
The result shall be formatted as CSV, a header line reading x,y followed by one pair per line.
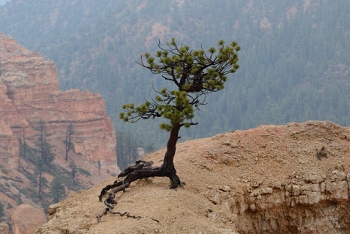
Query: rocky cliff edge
x,y
271,179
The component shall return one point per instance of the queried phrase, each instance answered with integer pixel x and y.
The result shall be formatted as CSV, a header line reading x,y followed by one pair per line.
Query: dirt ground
x,y
214,169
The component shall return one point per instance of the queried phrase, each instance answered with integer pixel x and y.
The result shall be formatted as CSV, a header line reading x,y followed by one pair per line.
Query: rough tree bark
x,y
144,170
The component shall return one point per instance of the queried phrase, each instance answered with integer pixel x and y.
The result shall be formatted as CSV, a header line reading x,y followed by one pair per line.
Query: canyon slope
x,y
29,92
29,88
292,178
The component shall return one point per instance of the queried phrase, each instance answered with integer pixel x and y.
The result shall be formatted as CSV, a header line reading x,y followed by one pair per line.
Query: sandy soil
x,y
214,169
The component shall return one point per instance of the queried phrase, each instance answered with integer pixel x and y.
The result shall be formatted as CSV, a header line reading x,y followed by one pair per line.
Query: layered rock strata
x,y
29,92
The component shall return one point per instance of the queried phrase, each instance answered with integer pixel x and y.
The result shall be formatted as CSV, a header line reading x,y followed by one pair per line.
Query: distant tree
x,y
126,145
2,214
38,173
99,166
194,74
57,190
20,154
150,148
74,171
22,149
19,200
9,206
50,157
68,141
43,148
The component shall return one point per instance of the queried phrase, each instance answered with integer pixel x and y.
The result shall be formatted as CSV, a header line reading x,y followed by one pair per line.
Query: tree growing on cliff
x,y
2,213
192,74
43,148
40,180
99,167
74,171
22,149
57,190
69,141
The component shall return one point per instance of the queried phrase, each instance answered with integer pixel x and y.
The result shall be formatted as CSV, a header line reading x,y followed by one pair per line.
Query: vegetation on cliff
x,y
294,66
262,180
192,74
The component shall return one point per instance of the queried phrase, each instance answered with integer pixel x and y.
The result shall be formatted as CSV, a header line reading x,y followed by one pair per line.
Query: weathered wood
x,y
143,169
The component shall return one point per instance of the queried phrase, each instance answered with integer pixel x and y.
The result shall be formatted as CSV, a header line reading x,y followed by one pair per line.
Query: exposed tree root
x,y
139,164
140,170
121,214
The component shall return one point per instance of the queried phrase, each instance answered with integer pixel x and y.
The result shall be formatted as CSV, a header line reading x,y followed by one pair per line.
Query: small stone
x,y
288,188
215,199
339,175
226,188
292,204
313,179
314,197
276,185
295,190
266,191
252,207
315,187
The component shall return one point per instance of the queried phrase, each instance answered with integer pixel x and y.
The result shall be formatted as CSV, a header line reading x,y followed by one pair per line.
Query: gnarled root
x,y
121,214
140,164
116,212
140,170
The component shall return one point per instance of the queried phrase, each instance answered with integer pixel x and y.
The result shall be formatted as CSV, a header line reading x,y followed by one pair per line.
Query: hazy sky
x,y
2,2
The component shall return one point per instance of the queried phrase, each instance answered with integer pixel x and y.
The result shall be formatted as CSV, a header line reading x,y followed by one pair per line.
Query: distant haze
x,y
294,61
2,2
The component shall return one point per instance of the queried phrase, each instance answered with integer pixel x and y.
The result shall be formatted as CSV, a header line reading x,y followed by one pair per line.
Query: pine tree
x,y
69,141
99,166
22,149
57,190
43,148
74,171
2,213
38,173
19,200
194,74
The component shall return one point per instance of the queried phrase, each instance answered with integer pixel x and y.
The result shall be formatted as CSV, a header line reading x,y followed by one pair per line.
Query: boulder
x,y
27,219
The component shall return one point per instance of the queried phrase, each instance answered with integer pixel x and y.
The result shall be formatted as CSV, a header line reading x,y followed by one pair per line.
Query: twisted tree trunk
x,y
143,170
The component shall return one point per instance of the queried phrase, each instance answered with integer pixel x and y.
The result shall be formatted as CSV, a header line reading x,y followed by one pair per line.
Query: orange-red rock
x,y
26,219
29,92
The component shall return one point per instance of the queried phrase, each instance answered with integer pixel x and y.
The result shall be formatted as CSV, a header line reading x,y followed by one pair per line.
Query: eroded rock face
x,y
29,92
26,219
287,187
303,206
293,178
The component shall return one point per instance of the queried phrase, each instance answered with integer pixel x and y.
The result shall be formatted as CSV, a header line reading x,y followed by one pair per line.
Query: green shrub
x,y
84,172
3,170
